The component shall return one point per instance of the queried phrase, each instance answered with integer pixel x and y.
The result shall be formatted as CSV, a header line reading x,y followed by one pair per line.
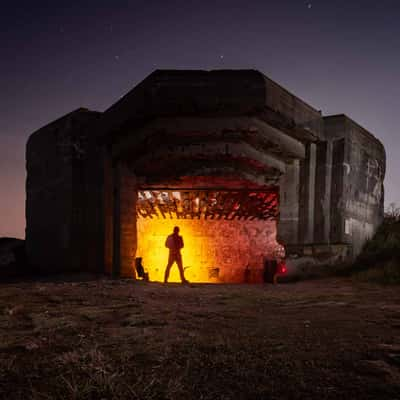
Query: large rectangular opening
x,y
228,234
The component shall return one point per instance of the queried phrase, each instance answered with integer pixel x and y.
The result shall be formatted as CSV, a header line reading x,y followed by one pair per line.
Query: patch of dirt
x,y
119,339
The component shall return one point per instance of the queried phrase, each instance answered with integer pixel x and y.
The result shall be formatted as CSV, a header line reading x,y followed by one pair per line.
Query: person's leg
x,y
178,260
168,268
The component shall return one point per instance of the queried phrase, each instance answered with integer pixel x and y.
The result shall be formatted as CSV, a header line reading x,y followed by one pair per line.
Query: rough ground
x,y
104,339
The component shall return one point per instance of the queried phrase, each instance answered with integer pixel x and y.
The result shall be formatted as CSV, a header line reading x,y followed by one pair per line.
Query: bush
x,y
388,274
379,260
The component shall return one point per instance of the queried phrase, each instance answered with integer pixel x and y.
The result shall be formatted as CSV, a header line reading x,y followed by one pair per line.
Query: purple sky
x,y
341,56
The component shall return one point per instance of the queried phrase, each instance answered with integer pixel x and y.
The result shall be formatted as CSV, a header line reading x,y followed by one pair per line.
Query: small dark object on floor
x,y
140,269
270,270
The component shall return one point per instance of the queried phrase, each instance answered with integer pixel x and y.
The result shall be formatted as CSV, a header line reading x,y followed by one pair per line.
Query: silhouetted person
x,y
175,243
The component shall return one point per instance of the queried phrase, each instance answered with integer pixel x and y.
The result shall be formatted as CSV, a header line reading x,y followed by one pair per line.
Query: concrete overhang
x,y
168,93
164,132
218,151
211,177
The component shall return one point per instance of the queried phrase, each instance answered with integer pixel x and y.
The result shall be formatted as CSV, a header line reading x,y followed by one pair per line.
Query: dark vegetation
x,y
379,260
12,258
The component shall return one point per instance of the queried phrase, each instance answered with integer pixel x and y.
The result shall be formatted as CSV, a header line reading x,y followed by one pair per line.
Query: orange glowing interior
x,y
215,249
151,247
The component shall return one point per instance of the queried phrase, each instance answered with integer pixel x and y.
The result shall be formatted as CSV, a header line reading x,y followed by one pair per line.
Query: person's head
x,y
176,230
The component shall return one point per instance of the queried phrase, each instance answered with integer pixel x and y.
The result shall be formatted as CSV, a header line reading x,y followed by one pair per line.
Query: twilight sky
x,y
341,56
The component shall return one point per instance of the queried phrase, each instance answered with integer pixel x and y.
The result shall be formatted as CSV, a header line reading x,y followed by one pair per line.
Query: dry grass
x,y
122,340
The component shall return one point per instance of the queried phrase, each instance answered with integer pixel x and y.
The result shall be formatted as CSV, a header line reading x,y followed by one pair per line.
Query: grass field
x,y
116,339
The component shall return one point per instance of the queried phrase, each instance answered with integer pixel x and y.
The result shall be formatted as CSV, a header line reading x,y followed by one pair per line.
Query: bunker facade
x,y
247,170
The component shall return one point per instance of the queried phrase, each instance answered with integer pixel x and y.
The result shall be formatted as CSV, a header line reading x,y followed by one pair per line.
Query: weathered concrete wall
x,y
307,194
323,184
109,193
358,170
124,217
96,193
55,206
290,113
288,223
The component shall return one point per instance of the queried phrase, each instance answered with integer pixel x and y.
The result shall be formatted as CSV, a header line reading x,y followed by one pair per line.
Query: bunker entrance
x,y
228,234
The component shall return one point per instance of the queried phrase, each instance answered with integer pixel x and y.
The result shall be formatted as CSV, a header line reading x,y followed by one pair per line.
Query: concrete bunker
x,y
237,161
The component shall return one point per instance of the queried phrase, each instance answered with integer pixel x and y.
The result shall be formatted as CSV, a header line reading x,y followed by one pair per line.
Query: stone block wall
x,y
215,250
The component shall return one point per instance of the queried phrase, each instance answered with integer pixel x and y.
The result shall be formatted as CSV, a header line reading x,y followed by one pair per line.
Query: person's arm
x,y
181,242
